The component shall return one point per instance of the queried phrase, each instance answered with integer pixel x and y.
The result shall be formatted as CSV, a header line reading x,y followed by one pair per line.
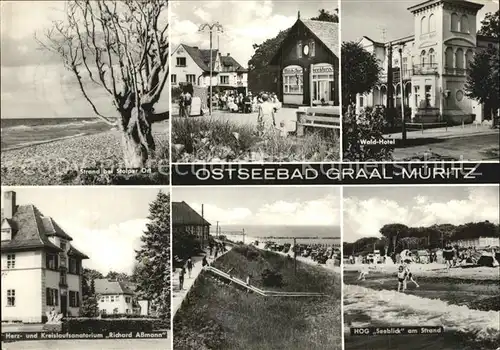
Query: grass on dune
x,y
216,315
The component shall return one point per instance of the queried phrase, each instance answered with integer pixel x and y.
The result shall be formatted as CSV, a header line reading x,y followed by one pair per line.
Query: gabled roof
x,y
325,32
228,61
28,231
53,229
183,214
104,286
373,41
201,57
72,251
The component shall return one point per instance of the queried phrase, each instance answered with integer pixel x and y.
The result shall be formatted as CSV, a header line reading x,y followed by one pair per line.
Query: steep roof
x,y
53,229
72,251
104,286
183,214
28,231
201,57
229,61
326,32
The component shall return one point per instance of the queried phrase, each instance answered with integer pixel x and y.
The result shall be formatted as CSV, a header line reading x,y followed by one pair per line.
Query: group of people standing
x,y
185,101
233,101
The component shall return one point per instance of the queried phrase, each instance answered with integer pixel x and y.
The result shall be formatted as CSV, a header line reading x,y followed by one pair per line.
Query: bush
x,y
271,278
368,125
94,325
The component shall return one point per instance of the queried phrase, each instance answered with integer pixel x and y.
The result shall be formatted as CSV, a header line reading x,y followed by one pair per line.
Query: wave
x,y
41,126
394,308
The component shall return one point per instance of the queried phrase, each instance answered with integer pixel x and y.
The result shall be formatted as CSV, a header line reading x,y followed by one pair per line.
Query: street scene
x,y
88,271
243,267
428,91
425,256
262,85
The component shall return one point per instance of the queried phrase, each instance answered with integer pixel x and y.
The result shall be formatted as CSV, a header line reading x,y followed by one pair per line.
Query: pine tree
x,y
153,270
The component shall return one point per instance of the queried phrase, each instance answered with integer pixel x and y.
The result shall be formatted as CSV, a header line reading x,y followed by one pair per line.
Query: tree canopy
x,y
483,79
490,25
153,268
360,71
326,16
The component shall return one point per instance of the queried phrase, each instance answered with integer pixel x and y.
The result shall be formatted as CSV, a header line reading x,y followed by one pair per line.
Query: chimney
x,y
228,54
202,212
9,207
298,15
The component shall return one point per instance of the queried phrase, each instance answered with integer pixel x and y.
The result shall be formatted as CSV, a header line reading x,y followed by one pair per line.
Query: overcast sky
x,y
106,223
371,17
245,22
367,209
270,205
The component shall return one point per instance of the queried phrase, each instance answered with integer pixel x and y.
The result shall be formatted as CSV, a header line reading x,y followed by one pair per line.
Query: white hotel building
x,y
434,63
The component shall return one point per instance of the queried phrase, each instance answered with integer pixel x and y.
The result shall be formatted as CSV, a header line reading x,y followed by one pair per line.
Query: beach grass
x,y
215,140
60,162
216,315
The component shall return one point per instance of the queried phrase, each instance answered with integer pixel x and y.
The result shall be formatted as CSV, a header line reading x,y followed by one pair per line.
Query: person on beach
x,y
265,117
204,262
189,265
181,278
409,276
362,274
448,256
401,278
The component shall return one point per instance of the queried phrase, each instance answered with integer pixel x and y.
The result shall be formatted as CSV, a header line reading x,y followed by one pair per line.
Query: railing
x,y
265,293
425,69
455,71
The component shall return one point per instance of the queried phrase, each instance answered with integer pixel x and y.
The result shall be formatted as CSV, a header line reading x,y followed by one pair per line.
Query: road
x,y
472,148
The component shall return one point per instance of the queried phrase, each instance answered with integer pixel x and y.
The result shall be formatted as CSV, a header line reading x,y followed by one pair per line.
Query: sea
x,y
19,132
281,234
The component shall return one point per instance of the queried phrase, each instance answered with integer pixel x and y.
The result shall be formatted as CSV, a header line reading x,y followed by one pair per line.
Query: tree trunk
x,y
137,140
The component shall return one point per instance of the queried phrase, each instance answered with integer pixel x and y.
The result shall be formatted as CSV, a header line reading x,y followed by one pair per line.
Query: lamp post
x,y
403,126
211,28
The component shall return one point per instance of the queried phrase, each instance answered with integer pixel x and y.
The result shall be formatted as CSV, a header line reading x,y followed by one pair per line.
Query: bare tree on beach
x,y
120,46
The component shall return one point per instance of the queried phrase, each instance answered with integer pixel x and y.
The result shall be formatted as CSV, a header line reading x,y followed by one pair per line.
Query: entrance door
x,y
64,305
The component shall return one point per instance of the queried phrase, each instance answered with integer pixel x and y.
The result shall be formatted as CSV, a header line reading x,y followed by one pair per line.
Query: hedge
x,y
95,325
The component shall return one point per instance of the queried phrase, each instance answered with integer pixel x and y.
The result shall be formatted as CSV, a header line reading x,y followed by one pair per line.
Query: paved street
x,y
472,148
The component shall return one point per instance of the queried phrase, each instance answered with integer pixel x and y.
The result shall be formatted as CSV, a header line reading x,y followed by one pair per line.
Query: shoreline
x,y
36,143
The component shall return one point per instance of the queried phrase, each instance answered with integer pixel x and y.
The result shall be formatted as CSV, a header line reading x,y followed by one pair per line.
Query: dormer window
x,y
6,234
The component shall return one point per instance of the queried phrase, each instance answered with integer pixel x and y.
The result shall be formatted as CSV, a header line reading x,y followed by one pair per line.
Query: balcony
x,y
455,71
425,69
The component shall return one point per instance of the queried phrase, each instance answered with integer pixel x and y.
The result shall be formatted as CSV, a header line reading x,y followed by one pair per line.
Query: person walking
x,y
181,278
189,265
265,117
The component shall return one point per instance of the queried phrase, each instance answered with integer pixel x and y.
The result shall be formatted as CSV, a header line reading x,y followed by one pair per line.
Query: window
x,y
292,80
62,279
423,25
404,65
62,260
464,24
52,297
112,298
127,311
11,261
312,48
449,57
361,101
52,261
74,299
459,95
74,266
173,79
190,78
432,57
103,311
11,297
103,299
428,89
63,246
459,59
127,300
468,58
422,58
432,23
454,22
181,61
224,79
299,49
115,310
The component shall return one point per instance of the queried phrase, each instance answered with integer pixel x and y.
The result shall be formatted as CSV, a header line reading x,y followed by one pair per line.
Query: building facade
x,y
115,297
429,68
192,65
186,220
479,242
308,61
41,270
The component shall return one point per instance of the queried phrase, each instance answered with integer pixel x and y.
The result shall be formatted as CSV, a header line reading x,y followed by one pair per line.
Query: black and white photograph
x,y
422,257
256,268
85,93
420,80
255,81
80,271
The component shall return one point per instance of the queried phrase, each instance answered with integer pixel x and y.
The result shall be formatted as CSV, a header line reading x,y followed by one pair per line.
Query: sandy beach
x,y
59,162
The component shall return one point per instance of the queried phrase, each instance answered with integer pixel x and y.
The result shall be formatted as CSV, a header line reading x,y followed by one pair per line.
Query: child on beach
x,y
362,273
401,278
409,276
